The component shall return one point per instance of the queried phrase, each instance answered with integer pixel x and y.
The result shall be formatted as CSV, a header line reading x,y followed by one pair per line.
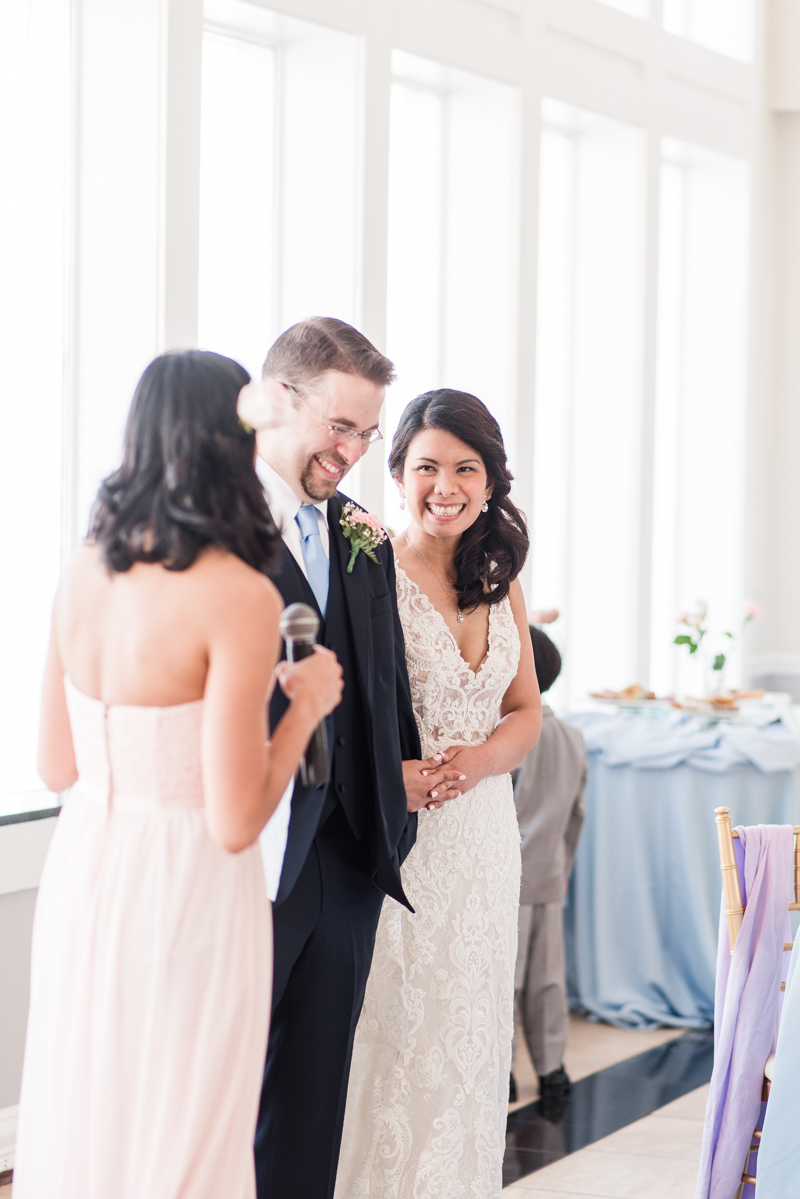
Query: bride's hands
x,y
428,785
470,762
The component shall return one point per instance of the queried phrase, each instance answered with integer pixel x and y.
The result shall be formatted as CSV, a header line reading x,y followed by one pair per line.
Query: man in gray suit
x,y
549,798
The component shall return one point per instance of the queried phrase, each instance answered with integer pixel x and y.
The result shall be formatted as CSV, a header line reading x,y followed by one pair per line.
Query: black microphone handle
x,y
314,764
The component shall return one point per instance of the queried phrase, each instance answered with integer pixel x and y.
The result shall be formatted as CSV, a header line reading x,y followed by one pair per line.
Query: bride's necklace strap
x,y
411,546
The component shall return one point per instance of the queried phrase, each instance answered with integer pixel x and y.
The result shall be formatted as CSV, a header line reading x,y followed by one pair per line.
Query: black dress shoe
x,y
512,1089
554,1090
556,1083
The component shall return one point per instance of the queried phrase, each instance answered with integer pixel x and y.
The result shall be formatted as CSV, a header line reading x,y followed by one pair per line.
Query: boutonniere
x,y
362,530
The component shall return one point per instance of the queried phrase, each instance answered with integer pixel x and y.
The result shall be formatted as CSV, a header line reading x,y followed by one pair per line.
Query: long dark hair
x,y
187,478
493,550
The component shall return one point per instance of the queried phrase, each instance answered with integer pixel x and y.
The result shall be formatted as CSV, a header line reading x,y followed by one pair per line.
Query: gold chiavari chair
x,y
734,911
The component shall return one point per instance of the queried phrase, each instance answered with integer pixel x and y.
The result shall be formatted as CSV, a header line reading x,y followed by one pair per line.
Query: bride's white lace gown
x,y
428,1092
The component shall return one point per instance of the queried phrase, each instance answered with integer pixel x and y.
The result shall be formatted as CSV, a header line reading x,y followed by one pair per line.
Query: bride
x,y
428,1092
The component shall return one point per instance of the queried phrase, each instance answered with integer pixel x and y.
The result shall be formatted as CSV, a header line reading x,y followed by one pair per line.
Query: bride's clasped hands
x,y
429,785
461,758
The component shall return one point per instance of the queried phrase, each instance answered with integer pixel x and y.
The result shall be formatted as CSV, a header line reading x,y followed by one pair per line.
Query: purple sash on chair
x,y
746,1007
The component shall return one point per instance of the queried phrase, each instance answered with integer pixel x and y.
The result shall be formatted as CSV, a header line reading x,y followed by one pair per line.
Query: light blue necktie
x,y
317,565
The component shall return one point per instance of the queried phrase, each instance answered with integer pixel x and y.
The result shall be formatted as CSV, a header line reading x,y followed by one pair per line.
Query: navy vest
x,y
351,772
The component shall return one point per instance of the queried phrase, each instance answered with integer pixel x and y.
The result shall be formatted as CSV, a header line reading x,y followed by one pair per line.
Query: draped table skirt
x,y
642,910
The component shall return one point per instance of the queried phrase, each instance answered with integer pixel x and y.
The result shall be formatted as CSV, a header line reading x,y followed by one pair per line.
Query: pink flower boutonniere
x,y
363,531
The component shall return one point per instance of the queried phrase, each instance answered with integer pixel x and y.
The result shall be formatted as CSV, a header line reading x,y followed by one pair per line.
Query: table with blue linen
x,y
642,910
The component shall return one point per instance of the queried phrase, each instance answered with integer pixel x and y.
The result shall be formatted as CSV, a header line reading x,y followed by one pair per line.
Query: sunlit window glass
x,y
452,239
237,198
280,208
723,25
588,393
698,515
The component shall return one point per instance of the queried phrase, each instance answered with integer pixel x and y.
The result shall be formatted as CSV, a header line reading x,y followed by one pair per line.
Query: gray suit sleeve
x,y
574,825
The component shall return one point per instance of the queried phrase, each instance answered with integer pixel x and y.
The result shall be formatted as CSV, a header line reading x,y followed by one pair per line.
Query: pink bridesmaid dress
x,y
150,979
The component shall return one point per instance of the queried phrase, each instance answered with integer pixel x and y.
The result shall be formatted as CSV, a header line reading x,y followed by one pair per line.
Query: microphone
x,y
299,625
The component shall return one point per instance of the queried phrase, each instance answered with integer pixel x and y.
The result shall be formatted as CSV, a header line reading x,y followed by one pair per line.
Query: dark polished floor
x,y
606,1101
601,1104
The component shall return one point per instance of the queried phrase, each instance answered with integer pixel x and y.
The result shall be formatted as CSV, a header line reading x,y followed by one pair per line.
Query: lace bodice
x,y
453,704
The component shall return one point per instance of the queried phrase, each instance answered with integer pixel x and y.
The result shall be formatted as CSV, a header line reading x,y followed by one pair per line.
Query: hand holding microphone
x,y
313,677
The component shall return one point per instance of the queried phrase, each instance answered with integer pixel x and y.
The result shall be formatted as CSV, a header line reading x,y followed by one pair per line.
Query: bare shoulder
x,y
400,554
517,600
85,561
84,570
226,578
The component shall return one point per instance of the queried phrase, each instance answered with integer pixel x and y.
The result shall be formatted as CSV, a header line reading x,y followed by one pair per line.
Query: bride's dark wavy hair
x,y
187,478
493,550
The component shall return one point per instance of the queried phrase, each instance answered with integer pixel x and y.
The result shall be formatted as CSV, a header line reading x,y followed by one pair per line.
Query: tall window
x,y
452,236
100,187
588,393
280,209
698,513
238,278
723,25
34,95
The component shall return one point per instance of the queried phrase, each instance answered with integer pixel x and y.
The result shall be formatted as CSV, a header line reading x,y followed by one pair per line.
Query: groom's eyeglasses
x,y
338,432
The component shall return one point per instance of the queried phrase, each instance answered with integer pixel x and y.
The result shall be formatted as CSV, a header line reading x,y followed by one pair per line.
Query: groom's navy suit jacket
x,y
373,730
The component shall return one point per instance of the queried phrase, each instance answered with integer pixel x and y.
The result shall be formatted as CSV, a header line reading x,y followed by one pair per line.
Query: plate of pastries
x,y
635,696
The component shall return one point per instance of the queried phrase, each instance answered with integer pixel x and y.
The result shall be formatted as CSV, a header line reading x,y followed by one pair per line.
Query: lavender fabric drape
x,y
779,1157
746,1008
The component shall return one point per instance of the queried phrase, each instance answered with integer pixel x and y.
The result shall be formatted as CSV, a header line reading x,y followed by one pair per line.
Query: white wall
x,y
23,847
774,542
16,924
778,657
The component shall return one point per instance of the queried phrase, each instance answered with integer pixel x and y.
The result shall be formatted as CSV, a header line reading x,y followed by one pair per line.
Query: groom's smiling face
x,y
312,459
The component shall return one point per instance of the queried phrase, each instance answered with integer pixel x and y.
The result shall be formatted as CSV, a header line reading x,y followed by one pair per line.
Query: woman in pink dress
x,y
151,969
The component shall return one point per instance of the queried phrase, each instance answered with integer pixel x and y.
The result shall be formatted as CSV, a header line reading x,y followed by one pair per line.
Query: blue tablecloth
x,y
642,911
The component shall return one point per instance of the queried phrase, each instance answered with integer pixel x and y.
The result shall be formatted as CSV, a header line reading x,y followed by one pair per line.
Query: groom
x,y
345,842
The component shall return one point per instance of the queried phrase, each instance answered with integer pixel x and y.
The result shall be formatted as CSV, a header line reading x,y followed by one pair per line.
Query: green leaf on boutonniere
x,y
363,532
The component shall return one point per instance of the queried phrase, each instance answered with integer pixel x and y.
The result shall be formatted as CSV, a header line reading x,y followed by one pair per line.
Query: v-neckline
x,y
446,626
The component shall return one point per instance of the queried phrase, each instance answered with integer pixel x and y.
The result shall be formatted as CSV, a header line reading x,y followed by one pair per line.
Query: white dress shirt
x,y
284,505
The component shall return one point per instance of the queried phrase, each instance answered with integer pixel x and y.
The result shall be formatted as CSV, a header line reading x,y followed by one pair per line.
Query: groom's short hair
x,y
322,343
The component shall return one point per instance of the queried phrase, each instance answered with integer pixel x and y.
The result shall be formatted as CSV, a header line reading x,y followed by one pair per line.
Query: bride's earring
x,y
485,507
402,503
